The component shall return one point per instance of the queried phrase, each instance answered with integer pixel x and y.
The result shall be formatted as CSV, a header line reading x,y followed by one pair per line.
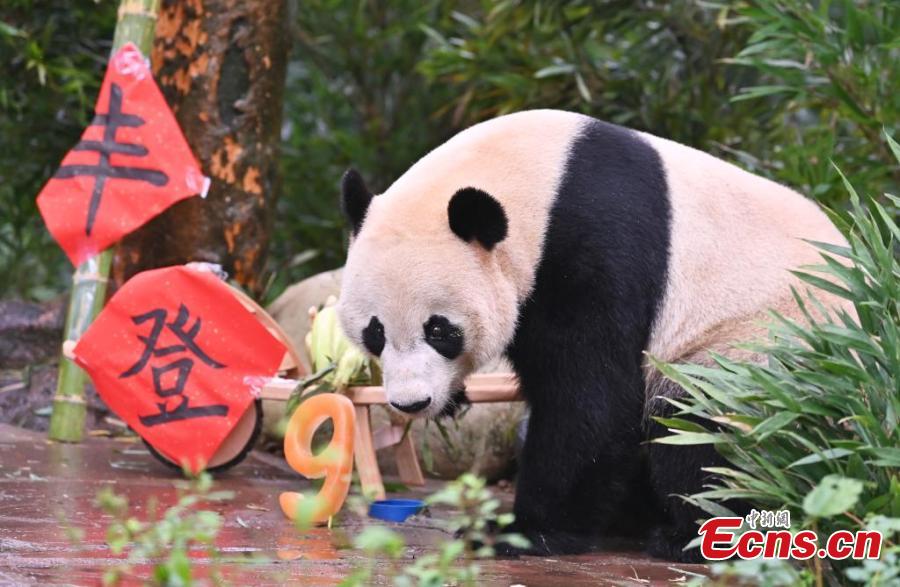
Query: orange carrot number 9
x,y
335,463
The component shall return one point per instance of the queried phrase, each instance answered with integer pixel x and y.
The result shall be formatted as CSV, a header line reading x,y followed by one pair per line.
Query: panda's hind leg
x,y
676,471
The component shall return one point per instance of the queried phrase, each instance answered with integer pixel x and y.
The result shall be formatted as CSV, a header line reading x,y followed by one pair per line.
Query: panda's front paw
x,y
667,542
516,541
542,543
507,550
504,545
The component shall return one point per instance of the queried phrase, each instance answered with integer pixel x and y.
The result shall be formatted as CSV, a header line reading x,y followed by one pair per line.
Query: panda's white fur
x,y
406,264
734,238
706,250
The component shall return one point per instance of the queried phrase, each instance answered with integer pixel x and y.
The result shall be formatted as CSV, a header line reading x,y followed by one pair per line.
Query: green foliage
x,y
51,63
817,429
833,496
832,69
354,98
886,570
454,562
649,65
760,573
477,513
167,540
778,86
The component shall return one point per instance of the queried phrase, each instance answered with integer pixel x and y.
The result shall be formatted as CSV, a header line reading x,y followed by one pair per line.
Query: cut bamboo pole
x,y
88,294
136,24
480,388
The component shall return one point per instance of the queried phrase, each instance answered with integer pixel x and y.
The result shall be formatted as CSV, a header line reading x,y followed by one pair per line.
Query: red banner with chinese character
x,y
132,163
177,357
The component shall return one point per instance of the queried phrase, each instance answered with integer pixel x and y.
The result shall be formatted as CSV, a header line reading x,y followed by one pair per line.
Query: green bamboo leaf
x,y
690,438
557,69
773,424
824,284
514,540
582,88
9,30
838,250
710,507
832,496
825,455
886,456
762,91
895,148
435,36
849,101
680,424
466,20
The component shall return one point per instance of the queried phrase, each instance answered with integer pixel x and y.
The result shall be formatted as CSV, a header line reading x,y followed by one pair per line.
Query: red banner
x,y
132,163
177,357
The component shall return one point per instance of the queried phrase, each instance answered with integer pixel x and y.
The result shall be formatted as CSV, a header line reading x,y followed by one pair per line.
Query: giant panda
x,y
577,248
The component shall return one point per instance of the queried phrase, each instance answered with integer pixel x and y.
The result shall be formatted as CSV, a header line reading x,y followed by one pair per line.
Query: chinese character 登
x,y
180,366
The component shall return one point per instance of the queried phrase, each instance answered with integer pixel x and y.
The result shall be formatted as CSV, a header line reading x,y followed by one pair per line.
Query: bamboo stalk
x,y
136,24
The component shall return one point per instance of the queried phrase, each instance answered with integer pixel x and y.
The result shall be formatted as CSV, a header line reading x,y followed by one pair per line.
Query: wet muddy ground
x,y
42,483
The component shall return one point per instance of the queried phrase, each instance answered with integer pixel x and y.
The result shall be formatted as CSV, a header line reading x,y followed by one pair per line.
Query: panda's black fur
x,y
578,348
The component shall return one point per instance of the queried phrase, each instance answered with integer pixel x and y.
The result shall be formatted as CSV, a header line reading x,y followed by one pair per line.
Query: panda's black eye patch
x,y
373,337
444,337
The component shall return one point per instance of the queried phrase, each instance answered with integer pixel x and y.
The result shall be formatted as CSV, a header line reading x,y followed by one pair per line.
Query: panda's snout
x,y
414,407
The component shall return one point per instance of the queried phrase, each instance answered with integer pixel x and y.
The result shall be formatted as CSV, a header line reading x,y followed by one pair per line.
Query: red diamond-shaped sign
x,y
132,163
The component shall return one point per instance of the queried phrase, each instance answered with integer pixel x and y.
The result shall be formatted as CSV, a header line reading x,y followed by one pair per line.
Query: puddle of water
x,y
314,544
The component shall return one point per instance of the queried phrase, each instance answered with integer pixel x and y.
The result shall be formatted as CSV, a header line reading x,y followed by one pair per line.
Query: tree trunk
x,y
221,65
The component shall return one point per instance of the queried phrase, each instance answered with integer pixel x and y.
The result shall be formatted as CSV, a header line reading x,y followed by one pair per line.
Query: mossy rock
x,y
291,311
482,440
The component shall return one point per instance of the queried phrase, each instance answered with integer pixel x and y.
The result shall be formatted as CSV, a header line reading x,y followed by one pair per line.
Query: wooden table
x,y
480,388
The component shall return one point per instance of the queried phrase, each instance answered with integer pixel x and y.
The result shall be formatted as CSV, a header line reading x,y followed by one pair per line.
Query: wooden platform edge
x,y
488,388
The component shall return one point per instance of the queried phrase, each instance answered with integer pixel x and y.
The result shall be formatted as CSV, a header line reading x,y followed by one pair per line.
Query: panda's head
x,y
424,287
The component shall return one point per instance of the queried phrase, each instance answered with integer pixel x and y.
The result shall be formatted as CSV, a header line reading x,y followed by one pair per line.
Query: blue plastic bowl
x,y
395,510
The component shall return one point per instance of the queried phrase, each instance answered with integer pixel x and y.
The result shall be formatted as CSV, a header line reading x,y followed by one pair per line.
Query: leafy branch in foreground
x,y
454,563
822,415
167,540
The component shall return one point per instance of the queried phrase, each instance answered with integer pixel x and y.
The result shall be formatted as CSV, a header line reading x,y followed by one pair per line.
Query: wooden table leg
x,y
408,461
364,451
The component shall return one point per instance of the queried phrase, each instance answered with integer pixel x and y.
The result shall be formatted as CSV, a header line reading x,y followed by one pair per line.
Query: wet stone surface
x,y
29,333
26,398
42,483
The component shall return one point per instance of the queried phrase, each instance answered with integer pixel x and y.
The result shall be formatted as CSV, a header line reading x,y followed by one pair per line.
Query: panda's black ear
x,y
355,199
476,215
